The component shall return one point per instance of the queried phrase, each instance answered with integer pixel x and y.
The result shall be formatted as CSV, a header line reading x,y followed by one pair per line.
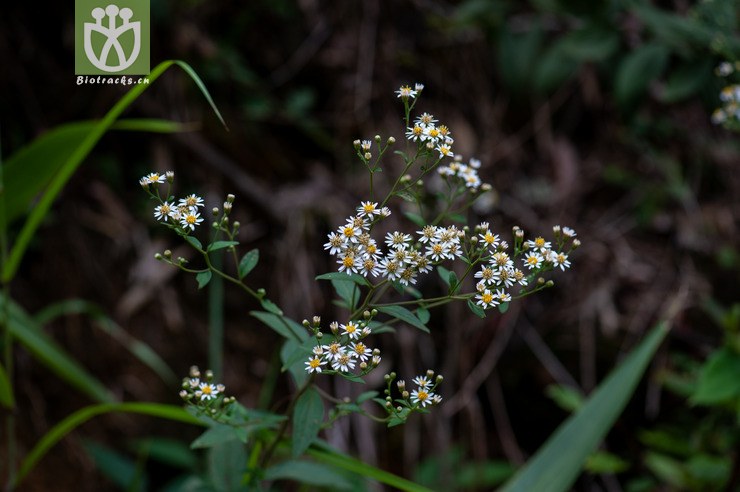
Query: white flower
x,y
427,233
351,330
421,397
190,219
389,268
314,364
344,362
333,351
567,231
415,133
152,178
361,351
405,92
561,260
490,239
533,260
191,201
368,208
425,119
348,263
206,391
164,211
422,381
336,243
486,299
503,296
488,274
397,239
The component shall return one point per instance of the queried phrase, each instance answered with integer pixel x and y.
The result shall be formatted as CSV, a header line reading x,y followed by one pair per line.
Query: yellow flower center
x,y
207,390
348,261
314,363
532,260
422,395
349,231
487,298
190,219
539,242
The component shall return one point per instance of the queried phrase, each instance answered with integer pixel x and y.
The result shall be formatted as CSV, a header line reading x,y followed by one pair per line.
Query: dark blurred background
x,y
593,115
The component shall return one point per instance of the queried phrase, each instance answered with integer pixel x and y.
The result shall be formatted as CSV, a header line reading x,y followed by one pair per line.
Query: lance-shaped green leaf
x,y
557,464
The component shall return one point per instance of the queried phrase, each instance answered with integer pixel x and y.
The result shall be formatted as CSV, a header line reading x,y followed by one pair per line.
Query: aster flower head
x,y
154,178
368,209
164,211
533,260
314,363
336,243
422,381
486,299
344,362
445,150
206,391
561,260
422,397
361,351
351,329
191,201
406,92
190,218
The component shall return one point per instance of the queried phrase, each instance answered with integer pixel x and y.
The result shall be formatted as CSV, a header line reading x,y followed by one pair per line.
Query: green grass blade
x,y
350,464
30,170
47,352
79,154
81,416
559,461
6,389
138,349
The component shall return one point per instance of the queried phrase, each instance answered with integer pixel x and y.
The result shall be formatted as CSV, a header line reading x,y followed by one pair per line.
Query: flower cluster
x,y
466,174
728,114
498,271
183,213
200,391
730,110
426,132
410,401
358,252
345,350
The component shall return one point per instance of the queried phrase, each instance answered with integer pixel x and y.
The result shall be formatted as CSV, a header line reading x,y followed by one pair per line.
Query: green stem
x,y
216,320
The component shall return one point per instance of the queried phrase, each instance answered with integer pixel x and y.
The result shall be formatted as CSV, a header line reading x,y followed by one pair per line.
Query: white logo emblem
x,y
112,33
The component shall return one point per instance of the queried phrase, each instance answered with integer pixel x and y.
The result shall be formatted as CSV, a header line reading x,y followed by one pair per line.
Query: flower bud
x,y
405,395
306,324
168,254
230,198
430,374
158,256
540,281
377,138
215,211
170,175
357,144
391,140
317,321
368,156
